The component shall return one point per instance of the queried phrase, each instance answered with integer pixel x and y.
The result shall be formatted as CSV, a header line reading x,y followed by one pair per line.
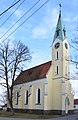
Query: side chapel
x,y
46,88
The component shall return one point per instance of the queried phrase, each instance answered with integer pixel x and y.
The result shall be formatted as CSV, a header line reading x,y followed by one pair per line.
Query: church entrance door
x,y
67,102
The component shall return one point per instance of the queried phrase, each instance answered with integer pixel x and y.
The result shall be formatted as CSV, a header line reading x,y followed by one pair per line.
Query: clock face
x,y
57,45
66,46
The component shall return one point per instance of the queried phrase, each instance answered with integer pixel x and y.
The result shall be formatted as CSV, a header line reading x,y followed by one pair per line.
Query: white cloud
x,y
18,13
39,57
5,36
74,3
75,19
46,25
69,19
39,32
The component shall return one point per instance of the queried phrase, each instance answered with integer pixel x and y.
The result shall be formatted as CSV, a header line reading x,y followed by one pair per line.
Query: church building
x,y
46,88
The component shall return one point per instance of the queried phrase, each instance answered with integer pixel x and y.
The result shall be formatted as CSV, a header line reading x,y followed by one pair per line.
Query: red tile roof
x,y
35,73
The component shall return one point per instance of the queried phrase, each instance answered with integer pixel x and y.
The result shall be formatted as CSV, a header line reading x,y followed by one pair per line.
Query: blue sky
x,y
38,32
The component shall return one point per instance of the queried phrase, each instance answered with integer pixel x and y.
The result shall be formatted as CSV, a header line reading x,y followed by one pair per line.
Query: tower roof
x,y
60,31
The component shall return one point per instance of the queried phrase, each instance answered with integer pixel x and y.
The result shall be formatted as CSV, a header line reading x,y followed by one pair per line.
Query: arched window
x,y
57,70
38,96
64,33
26,97
57,32
17,96
57,55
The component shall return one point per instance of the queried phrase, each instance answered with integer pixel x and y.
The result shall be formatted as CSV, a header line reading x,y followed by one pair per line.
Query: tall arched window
x,y
17,95
57,70
38,96
57,55
26,97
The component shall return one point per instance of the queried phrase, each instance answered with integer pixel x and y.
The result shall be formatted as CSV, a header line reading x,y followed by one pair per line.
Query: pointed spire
x,y
60,32
60,11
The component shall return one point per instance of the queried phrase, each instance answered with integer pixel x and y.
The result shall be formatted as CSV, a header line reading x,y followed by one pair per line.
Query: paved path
x,y
68,117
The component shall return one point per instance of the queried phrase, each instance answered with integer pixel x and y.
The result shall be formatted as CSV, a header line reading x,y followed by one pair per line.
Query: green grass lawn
x,y
25,115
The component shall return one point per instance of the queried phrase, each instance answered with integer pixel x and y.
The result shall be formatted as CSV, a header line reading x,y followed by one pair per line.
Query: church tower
x,y
61,69
60,51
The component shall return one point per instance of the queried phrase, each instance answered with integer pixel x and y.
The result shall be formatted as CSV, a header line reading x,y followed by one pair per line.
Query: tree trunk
x,y
11,106
9,97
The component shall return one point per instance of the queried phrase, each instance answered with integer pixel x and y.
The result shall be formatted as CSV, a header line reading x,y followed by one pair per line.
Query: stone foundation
x,y
36,111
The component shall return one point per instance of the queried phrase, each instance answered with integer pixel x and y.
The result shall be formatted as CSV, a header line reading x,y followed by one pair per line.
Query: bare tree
x,y
12,57
74,56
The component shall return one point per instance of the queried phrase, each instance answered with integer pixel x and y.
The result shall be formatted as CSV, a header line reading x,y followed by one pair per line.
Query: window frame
x,y
57,70
38,96
26,97
57,55
57,32
17,95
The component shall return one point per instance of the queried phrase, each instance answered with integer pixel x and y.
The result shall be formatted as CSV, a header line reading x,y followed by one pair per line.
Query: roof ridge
x,y
37,65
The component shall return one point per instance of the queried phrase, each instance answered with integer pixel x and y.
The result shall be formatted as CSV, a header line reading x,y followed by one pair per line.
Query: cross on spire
x,y
60,11
60,6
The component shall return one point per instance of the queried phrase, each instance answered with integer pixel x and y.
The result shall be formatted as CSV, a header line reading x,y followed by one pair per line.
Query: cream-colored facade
x,y
52,94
